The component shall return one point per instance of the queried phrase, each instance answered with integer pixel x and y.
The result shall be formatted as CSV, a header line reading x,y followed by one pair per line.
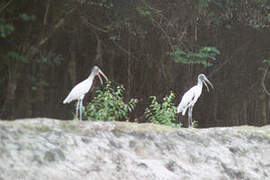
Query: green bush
x,y
206,56
108,104
163,113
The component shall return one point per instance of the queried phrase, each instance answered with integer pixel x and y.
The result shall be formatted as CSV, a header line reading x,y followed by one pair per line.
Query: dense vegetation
x,y
151,47
108,104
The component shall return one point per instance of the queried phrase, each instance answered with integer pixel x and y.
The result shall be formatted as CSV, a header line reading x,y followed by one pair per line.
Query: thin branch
x,y
99,49
121,48
5,6
85,20
155,23
45,19
59,24
159,25
262,82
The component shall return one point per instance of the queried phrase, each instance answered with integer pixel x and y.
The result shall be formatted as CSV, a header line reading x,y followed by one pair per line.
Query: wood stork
x,y
191,96
78,92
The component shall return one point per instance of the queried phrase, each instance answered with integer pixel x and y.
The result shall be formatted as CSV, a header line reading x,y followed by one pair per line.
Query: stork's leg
x,y
178,118
189,117
81,105
77,108
191,108
81,109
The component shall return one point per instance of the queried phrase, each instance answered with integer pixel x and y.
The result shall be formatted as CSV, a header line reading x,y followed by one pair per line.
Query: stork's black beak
x,y
100,78
207,81
102,74
206,85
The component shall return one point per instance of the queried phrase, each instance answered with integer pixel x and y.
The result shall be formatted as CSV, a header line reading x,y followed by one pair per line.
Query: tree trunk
x,y
9,103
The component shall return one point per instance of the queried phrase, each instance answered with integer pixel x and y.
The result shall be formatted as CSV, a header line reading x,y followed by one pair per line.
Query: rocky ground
x,y
48,149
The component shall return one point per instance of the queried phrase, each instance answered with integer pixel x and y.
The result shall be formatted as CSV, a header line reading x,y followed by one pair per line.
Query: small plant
x,y
195,124
163,113
108,104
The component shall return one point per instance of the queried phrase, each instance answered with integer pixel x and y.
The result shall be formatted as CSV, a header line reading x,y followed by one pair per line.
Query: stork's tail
x,y
181,110
66,100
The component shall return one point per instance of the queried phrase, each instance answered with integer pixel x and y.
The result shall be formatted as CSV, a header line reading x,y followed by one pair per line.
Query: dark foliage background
x,y
49,46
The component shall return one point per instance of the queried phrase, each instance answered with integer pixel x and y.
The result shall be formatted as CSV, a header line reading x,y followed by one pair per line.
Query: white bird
x,y
79,91
191,96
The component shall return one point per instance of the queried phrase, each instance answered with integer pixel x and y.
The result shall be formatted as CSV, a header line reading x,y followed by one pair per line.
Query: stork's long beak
x,y
205,83
100,78
101,73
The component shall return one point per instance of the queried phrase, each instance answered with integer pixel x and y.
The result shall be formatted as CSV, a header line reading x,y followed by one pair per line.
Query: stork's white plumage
x,y
191,96
78,92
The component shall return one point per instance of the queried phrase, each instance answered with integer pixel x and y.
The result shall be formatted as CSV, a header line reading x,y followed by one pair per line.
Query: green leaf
x,y
34,88
5,28
113,38
266,61
12,55
143,11
44,83
25,17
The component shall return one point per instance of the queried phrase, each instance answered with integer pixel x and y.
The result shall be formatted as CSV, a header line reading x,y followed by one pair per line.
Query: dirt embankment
x,y
48,149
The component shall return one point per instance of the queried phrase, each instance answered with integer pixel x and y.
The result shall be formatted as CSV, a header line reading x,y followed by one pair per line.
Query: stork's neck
x,y
200,83
91,77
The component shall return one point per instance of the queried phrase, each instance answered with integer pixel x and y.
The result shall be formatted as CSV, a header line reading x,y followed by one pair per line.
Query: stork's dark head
x,y
96,71
204,79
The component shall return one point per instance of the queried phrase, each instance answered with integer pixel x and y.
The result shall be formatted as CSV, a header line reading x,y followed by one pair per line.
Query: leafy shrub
x,y
205,56
163,113
108,104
